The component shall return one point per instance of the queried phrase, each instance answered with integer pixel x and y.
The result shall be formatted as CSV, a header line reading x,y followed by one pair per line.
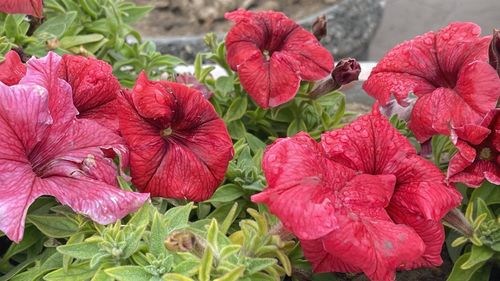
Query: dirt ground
x,y
193,17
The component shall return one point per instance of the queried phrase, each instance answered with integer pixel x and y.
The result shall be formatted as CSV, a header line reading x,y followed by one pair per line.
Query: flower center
x,y
267,54
485,154
165,133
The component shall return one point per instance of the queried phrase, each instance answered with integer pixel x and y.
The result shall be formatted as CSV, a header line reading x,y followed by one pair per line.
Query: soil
x,y
195,17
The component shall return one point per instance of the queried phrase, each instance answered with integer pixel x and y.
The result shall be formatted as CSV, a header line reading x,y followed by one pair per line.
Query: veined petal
x,y
269,83
12,68
29,7
97,200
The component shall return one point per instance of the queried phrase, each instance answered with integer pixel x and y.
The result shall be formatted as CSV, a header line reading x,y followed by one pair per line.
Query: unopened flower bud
x,y
52,44
346,71
457,220
319,29
494,51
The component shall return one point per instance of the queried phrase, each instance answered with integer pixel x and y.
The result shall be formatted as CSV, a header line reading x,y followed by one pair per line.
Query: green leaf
x,y
133,240
83,250
229,250
158,235
72,41
10,27
188,267
176,277
142,216
459,274
129,273
229,219
212,233
226,193
54,226
178,217
31,236
477,255
225,84
297,125
232,275
237,109
57,25
236,129
254,143
255,265
79,272
135,13
206,265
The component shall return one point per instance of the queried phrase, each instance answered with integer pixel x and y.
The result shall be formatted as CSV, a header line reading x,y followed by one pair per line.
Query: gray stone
x,y
351,26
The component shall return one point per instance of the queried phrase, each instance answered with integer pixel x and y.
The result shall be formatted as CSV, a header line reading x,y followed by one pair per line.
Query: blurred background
x,y
404,19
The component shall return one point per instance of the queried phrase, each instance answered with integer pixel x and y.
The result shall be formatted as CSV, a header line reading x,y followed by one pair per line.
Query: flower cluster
x,y
361,200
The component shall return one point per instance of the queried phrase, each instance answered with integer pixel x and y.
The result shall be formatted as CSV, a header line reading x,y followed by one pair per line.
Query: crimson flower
x,y
29,7
447,70
271,54
478,155
45,150
12,69
179,147
361,200
95,89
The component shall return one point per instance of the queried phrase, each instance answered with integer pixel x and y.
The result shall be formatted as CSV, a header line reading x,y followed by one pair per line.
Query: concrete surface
x,y
404,19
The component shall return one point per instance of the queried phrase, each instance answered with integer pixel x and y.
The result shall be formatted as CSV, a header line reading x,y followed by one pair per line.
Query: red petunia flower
x,y
179,147
447,70
12,69
271,54
361,200
45,150
95,89
478,156
29,7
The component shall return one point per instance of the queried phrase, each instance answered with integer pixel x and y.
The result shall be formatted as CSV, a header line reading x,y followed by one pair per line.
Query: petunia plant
x,y
113,166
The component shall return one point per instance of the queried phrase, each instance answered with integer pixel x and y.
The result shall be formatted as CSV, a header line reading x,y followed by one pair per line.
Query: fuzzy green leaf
x,y
129,273
54,226
83,250
226,193
79,272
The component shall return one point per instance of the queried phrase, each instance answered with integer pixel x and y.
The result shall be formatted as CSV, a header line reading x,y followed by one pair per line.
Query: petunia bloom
x,y
362,200
478,156
272,54
29,7
45,150
179,147
12,69
447,70
95,89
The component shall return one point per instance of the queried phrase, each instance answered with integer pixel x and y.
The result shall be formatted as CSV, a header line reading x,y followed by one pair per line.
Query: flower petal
x,y
25,118
195,132
269,83
29,7
100,202
94,88
323,261
44,72
12,69
459,44
300,191
430,231
310,59
384,84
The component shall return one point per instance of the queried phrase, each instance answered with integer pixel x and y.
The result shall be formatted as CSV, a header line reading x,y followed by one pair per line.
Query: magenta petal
x,y
299,192
26,108
323,261
12,69
101,202
44,72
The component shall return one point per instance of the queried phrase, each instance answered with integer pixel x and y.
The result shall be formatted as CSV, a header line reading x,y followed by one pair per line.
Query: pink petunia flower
x,y
29,7
95,89
447,70
360,201
478,156
271,54
45,150
12,69
179,147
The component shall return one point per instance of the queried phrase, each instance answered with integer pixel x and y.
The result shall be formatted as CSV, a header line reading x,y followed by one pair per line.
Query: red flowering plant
x,y
257,173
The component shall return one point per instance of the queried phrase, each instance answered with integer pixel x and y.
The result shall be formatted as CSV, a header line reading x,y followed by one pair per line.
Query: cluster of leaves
x,y
475,255
148,245
99,28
